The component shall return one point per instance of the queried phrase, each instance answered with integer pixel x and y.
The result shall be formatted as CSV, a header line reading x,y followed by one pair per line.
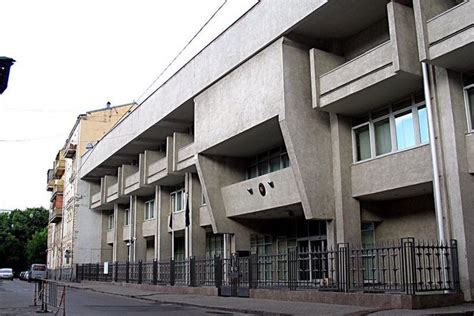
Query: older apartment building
x,y
299,128
69,239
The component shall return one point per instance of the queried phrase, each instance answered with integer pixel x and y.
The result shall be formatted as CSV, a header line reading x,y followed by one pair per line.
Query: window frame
x,y
257,160
173,196
149,211
110,222
470,127
391,115
127,217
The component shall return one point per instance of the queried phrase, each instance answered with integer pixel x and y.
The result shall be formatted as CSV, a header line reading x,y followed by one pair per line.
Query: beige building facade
x,y
66,243
299,128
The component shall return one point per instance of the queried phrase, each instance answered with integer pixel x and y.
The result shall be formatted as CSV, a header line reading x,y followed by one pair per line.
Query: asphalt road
x,y
16,298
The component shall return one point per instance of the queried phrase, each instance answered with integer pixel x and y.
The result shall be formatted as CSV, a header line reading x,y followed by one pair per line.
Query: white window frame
x,y
173,203
470,128
413,107
150,209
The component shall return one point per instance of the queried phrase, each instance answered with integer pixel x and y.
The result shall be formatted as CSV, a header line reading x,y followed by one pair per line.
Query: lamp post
x,y
5,64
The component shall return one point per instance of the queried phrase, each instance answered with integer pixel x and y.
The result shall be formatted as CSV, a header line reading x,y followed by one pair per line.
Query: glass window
x,y
149,209
368,234
405,132
263,168
275,164
110,224
362,142
285,160
470,103
423,124
214,245
270,161
383,140
126,220
177,199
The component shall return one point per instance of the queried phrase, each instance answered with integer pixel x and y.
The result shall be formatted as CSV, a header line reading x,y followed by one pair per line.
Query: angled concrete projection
x,y
217,172
307,136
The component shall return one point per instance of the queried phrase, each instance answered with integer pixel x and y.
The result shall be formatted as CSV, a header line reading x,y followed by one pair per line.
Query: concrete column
x,y
138,214
105,249
158,219
164,238
347,209
120,248
197,234
457,184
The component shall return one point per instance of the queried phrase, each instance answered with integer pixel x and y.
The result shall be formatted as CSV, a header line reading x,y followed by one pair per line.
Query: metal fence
x,y
49,294
406,266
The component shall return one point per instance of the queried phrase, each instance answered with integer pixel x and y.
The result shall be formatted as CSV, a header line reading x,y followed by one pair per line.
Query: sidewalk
x,y
259,306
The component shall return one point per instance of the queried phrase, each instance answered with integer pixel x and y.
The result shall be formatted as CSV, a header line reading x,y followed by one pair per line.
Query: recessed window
x,y
177,199
149,209
269,161
400,125
110,222
127,217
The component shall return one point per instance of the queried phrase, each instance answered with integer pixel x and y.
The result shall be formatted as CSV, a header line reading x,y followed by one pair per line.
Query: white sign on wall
x,y
106,268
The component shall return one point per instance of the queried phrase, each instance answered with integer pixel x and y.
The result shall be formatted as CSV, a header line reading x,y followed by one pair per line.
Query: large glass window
x,y
396,127
214,245
149,209
269,161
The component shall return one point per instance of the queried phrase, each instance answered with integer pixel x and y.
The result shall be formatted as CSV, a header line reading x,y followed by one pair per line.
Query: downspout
x,y
434,157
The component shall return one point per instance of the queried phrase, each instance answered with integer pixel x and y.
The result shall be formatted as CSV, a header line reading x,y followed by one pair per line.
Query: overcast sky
x,y
74,56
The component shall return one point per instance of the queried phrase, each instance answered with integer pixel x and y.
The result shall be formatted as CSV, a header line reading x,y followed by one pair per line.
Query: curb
x,y
144,298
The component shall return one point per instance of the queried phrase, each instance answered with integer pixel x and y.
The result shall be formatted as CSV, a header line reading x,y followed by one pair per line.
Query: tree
x,y
16,229
36,246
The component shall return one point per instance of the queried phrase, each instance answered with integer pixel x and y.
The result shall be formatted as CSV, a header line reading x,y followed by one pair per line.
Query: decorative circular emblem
x,y
261,189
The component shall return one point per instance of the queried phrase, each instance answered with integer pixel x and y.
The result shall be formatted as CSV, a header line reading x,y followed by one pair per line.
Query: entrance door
x,y
235,281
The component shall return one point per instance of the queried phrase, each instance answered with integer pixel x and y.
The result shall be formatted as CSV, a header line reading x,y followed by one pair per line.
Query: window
x,y
267,162
127,217
469,99
177,199
400,125
214,245
368,234
149,209
203,199
110,222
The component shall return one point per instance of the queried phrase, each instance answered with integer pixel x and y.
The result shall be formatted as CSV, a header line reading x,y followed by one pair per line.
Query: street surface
x,y
16,298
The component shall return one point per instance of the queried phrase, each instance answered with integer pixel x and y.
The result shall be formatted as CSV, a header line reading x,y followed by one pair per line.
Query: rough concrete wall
x,y
215,173
164,238
458,183
307,136
363,41
139,215
197,233
88,224
106,251
249,95
120,247
412,217
347,209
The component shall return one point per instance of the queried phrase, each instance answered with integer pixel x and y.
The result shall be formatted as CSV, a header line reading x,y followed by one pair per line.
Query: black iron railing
x,y
406,266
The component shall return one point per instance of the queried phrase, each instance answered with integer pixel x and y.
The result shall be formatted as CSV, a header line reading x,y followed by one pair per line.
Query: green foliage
x,y
36,246
19,228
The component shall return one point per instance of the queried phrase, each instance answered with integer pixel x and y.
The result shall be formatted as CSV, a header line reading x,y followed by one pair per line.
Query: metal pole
x,y
434,157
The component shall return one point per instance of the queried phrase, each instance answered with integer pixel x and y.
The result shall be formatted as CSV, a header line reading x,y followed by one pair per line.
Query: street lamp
x,y
5,64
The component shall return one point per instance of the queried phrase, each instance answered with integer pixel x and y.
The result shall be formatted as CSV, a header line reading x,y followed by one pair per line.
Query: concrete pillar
x,y
197,240
347,210
120,248
105,249
137,207
164,238
457,184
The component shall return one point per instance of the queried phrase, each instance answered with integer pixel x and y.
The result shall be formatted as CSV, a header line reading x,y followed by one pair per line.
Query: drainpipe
x,y
434,157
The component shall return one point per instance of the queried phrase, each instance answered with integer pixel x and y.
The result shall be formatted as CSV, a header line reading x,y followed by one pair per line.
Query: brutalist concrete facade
x,y
298,116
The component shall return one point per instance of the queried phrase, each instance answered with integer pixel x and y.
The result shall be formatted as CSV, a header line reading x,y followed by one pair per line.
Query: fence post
x,y
155,271
77,272
408,264
116,271
455,265
97,269
127,271
192,271
140,271
343,269
90,271
218,271
292,258
172,272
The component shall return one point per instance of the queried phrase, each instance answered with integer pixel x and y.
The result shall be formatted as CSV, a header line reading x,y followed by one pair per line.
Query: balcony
x,y
149,228
96,199
58,188
384,73
111,185
50,180
70,150
280,192
394,176
59,164
178,221
110,236
55,214
158,166
185,152
447,33
204,216
130,179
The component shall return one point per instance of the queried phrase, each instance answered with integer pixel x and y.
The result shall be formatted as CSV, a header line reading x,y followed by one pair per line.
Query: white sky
x,y
74,56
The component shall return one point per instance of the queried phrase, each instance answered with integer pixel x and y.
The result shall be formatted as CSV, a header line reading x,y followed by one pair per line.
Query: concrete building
x,y
299,128
67,244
